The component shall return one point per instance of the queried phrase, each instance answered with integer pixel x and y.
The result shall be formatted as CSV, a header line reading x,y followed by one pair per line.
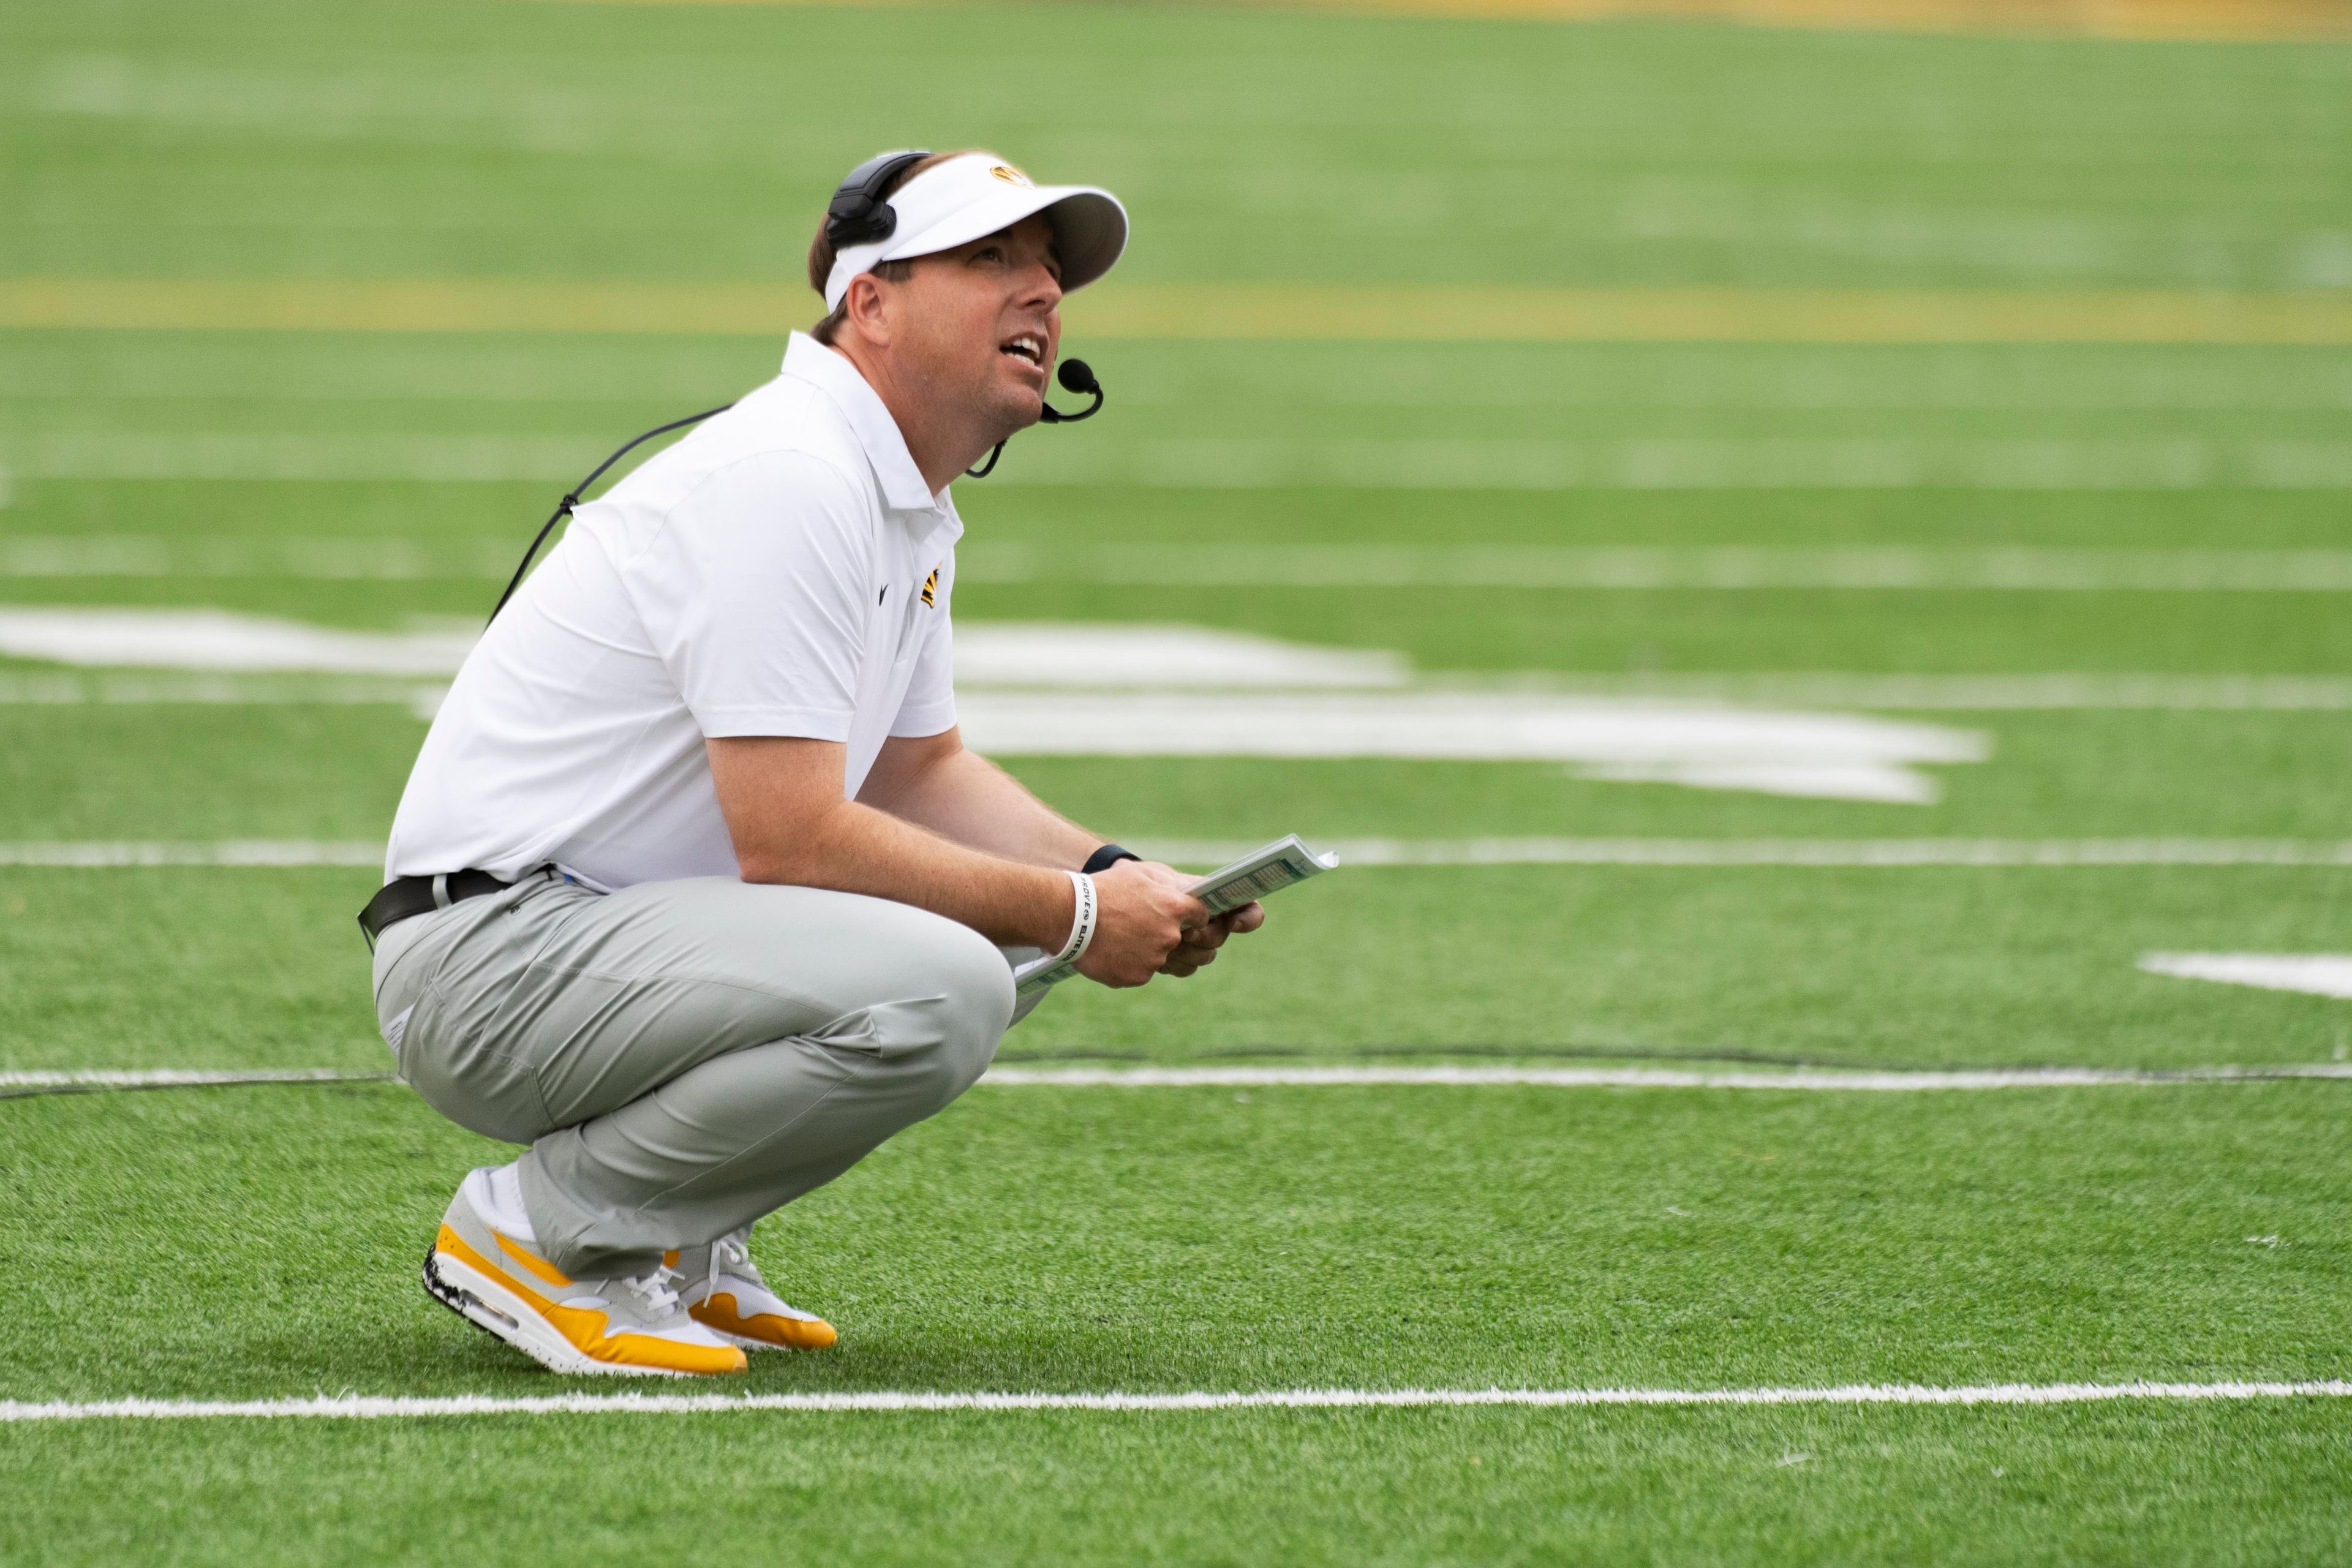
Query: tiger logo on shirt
x,y
931,590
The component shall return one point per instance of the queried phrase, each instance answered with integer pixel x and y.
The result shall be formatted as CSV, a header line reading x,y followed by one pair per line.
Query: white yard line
x,y
277,455
1057,682
175,1077
223,641
217,852
64,690
1814,1080
351,1406
2051,691
1881,853
1923,693
1652,568
1834,1080
2058,692
1634,568
1889,854
1634,462
319,557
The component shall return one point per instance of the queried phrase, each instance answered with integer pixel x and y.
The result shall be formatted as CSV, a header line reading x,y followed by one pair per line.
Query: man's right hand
x,y
1141,911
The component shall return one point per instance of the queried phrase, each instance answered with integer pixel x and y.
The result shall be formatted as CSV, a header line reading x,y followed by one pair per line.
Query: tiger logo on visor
x,y
1012,176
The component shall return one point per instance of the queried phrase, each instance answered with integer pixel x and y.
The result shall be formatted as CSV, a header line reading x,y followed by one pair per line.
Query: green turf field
x,y
1455,500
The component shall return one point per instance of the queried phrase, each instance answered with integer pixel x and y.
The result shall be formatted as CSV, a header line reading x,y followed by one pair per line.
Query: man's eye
x,y
988,253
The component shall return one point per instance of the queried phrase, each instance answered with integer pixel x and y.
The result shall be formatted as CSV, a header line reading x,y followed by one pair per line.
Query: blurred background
x,y
1577,458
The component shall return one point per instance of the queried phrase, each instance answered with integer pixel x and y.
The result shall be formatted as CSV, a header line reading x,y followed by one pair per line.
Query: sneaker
x,y
633,1327
724,1293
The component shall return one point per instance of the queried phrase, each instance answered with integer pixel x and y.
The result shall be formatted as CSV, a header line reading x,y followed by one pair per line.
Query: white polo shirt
x,y
782,571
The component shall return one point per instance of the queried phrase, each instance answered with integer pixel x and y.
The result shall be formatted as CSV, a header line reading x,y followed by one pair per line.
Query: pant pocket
x,y
480,1089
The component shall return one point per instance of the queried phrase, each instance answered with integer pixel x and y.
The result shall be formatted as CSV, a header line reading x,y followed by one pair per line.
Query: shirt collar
x,y
903,488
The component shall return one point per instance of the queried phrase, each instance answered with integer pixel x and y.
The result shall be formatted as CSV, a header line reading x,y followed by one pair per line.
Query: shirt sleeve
x,y
753,592
929,706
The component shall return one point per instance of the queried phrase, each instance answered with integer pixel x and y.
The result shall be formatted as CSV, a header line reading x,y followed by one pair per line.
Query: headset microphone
x,y
1077,376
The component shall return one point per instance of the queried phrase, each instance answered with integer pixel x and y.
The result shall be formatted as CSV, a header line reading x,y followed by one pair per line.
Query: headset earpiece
x,y
857,215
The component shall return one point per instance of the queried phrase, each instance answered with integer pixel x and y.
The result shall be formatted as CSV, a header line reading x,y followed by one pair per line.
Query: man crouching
x,y
693,889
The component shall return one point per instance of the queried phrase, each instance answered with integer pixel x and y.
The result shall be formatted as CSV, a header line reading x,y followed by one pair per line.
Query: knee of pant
x,y
976,995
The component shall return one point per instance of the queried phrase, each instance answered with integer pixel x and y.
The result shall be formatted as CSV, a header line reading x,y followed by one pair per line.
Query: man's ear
x,y
868,306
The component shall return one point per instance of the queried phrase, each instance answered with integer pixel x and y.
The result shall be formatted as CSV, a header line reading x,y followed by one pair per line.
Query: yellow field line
x,y
1204,311
2103,19
1537,314
407,305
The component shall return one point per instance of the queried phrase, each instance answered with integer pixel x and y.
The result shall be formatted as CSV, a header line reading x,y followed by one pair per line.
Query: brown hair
x,y
821,255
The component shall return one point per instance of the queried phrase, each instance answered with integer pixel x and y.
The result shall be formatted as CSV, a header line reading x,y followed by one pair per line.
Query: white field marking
x,y
247,658
1490,381
1694,463
1726,568
1629,739
1960,693
1879,853
1885,854
1636,463
2314,973
1152,707
1639,568
215,852
219,640
324,559
1920,694
175,1077
291,455
1812,1079
2312,313
1112,654
361,1407
1800,1080
231,687
1047,654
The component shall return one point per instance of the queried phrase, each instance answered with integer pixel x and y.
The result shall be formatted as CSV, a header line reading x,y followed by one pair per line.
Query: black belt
x,y
405,895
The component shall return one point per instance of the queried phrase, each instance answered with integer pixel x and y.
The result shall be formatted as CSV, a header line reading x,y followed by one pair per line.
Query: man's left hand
x,y
1198,948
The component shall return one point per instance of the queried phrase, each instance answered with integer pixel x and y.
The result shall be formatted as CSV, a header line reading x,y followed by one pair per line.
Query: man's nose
x,y
1041,290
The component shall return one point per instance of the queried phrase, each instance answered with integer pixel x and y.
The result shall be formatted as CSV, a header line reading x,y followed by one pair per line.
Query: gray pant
x,y
684,1057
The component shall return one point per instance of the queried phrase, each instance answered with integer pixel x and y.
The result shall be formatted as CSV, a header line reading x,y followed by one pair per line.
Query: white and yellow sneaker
x,y
724,1292
634,1327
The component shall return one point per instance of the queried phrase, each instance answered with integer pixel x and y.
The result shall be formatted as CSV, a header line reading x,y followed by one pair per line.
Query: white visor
x,y
975,195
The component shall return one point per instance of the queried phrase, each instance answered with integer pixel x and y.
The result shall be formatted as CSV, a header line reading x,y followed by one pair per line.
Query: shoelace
x,y
654,1288
733,1251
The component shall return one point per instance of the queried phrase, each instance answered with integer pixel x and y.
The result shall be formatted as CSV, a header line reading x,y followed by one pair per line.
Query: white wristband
x,y
1082,925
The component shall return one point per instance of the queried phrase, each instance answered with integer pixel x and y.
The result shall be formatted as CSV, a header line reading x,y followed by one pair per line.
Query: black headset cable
x,y
571,499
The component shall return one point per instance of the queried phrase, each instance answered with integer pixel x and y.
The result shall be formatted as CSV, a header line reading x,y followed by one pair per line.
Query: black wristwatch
x,y
1104,859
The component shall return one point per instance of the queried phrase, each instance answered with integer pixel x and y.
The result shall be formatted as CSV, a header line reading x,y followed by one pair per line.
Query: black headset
x,y
857,215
